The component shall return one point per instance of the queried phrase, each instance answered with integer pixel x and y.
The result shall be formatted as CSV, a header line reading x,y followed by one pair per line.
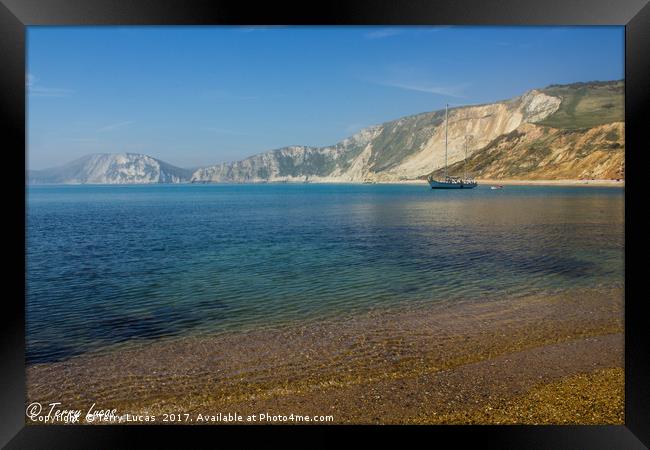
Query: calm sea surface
x,y
111,264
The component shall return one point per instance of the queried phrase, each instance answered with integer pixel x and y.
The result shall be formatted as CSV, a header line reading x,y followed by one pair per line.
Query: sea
x,y
119,264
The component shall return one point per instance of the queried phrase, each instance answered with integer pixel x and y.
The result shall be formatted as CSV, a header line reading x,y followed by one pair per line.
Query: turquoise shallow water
x,y
111,264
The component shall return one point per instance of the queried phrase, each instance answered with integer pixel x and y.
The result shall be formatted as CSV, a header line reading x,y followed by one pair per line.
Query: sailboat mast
x,y
446,123
465,160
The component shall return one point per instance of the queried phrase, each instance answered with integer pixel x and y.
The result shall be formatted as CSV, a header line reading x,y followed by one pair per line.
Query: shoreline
x,y
555,182
513,182
441,363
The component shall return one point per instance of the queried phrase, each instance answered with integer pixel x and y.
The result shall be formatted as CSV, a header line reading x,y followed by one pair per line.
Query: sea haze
x,y
119,264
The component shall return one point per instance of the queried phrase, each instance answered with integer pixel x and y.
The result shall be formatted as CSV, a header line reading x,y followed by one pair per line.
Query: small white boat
x,y
497,187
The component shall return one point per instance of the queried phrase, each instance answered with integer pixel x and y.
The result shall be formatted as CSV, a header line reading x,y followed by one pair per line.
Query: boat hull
x,y
443,185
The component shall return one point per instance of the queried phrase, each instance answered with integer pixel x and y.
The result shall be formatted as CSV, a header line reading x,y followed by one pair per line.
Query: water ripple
x,y
117,264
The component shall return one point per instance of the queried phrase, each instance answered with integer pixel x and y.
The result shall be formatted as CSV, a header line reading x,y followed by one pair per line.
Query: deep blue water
x,y
109,264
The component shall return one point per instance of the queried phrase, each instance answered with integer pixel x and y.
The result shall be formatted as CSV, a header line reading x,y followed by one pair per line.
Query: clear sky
x,y
195,96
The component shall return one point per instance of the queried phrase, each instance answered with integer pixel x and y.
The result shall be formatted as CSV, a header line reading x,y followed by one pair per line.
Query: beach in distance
x,y
497,182
343,303
579,182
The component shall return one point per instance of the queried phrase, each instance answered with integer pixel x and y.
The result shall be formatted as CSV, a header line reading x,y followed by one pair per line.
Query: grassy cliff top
x,y
585,105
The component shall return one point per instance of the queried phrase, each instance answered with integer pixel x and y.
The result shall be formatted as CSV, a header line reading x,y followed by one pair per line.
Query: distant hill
x,y
111,168
561,131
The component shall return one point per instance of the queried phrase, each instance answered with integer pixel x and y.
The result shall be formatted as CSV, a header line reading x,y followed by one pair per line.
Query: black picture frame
x,y
15,15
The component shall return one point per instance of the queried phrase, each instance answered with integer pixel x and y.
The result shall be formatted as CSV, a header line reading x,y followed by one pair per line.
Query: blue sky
x,y
195,96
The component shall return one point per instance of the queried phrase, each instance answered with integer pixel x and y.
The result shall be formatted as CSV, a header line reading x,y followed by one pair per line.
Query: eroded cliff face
x,y
484,123
535,152
295,163
403,149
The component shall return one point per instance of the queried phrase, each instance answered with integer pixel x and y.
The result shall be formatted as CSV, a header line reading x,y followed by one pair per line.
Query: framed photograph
x,y
366,214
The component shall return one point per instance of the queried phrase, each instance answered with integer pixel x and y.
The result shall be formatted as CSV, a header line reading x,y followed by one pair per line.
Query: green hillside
x,y
586,105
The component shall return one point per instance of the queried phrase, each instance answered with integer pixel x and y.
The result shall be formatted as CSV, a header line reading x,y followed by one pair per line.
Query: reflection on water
x,y
110,264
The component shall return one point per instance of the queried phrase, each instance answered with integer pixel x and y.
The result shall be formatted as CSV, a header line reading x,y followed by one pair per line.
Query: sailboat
x,y
449,182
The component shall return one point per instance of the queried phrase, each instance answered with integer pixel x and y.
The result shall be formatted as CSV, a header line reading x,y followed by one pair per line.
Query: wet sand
x,y
490,361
